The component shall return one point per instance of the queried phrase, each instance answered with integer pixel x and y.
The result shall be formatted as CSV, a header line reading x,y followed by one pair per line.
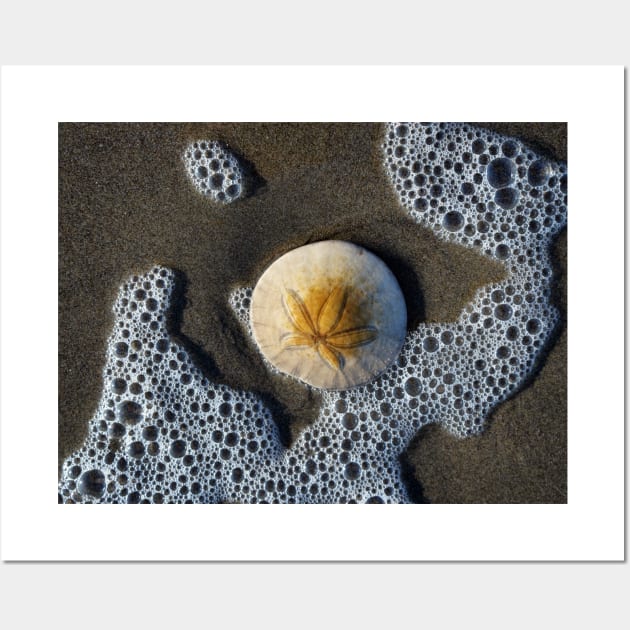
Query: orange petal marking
x,y
298,313
331,311
296,340
332,357
353,337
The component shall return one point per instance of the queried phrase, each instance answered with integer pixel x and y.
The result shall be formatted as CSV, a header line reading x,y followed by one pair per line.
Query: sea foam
x,y
215,171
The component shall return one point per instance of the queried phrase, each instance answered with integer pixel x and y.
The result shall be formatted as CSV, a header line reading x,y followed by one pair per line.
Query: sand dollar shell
x,y
330,314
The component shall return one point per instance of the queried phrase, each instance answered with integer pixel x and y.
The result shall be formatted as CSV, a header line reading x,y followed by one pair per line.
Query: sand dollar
x,y
330,314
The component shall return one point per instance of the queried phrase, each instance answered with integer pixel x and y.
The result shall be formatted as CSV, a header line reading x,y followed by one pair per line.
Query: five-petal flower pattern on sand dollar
x,y
322,332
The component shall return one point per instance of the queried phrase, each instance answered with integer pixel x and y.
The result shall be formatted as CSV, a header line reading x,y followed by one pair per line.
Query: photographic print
x,y
312,313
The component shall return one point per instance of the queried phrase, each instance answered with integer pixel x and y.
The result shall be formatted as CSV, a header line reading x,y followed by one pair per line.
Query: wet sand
x,y
125,203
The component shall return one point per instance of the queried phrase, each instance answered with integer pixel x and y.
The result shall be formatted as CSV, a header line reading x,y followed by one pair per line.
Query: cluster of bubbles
x,y
491,193
477,188
214,170
164,433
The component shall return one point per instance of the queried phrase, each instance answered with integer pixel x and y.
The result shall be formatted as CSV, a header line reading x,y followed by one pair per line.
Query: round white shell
x,y
349,342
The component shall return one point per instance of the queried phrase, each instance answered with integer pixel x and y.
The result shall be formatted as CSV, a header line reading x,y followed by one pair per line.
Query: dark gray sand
x,y
126,203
